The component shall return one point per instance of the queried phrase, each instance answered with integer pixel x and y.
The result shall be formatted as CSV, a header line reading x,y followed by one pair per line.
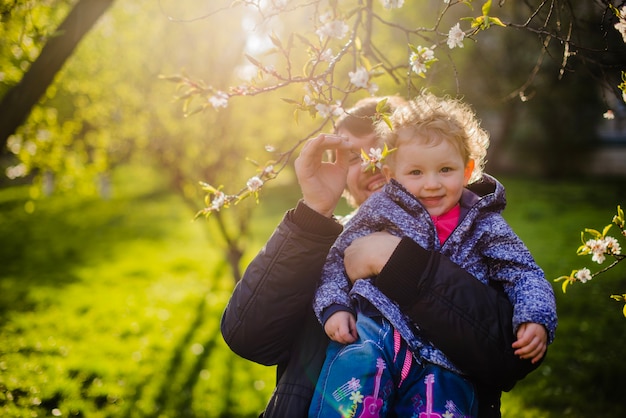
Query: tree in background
x,y
545,52
107,106
17,103
316,57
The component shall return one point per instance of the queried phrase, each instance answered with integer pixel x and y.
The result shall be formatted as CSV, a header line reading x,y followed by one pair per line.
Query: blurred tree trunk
x,y
18,102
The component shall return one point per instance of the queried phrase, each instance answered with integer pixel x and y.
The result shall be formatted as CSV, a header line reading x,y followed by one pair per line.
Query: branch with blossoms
x,y
323,95
342,58
600,246
374,159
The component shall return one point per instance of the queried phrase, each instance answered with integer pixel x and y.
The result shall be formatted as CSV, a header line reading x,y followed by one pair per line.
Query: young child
x,y
437,196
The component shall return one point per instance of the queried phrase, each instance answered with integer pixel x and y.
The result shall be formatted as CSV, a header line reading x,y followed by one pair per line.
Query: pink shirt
x,y
446,223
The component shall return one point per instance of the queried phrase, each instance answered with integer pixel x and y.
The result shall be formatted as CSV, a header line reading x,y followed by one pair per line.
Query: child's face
x,y
434,173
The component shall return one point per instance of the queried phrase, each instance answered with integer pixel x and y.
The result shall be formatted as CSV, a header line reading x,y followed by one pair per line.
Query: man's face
x,y
359,182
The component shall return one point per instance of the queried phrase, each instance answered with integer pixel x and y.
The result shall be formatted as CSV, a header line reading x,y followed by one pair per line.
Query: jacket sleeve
x,y
268,305
511,263
475,319
332,295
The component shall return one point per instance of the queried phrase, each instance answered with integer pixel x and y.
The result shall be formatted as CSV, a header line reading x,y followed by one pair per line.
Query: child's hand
x,y
532,341
341,327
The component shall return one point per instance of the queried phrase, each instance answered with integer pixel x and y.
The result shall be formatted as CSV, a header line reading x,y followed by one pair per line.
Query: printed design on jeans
x,y
350,412
347,389
429,381
452,411
351,390
372,404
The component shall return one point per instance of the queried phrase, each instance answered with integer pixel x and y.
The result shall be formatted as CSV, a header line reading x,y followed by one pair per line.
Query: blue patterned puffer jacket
x,y
483,244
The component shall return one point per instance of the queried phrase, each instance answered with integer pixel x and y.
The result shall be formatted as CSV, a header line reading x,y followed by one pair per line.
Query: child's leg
x,y
430,391
356,380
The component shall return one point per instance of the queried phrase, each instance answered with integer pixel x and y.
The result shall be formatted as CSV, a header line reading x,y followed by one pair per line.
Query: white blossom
x,y
323,109
327,110
456,36
220,99
360,77
418,60
621,25
621,28
14,144
609,115
374,157
392,4
332,29
315,86
16,171
218,201
597,247
268,170
327,55
612,245
583,275
254,184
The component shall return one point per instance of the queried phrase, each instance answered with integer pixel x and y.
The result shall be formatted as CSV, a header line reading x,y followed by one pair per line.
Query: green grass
x,y
111,308
583,372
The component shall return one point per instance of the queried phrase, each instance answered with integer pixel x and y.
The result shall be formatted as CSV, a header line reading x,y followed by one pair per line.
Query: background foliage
x,y
110,308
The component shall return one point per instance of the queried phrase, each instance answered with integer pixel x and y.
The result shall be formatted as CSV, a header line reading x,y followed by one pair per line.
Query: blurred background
x,y
111,294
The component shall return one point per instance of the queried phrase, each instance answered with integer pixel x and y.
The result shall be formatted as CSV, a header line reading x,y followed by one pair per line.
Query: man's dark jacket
x,y
269,318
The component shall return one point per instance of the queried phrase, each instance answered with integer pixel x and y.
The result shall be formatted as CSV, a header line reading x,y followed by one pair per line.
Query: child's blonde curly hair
x,y
433,119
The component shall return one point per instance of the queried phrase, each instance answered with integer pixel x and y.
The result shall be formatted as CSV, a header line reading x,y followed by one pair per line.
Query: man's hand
x,y
321,182
341,327
366,256
532,341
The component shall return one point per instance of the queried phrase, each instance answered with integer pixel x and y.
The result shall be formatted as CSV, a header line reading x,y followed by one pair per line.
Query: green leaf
x,y
172,78
254,61
496,21
478,22
387,121
486,8
197,109
357,44
595,233
290,101
276,41
381,106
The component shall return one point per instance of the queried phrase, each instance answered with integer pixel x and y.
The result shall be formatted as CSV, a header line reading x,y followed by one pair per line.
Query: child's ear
x,y
469,169
387,172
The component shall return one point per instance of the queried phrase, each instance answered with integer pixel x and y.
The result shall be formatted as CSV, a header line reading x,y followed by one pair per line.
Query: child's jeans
x,y
376,376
